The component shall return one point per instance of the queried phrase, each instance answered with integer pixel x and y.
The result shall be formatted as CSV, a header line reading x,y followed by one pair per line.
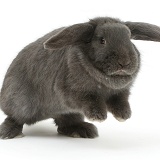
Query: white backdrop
x,y
23,21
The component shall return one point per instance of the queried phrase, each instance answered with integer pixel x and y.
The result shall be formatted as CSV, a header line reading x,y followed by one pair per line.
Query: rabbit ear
x,y
78,33
144,31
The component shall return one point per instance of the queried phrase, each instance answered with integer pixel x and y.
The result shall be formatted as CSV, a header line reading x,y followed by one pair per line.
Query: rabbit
x,y
83,70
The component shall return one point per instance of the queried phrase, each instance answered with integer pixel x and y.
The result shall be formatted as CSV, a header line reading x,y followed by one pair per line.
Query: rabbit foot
x,y
122,116
10,129
96,115
81,130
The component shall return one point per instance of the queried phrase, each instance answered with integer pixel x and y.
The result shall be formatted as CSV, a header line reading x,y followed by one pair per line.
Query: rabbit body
x,y
68,81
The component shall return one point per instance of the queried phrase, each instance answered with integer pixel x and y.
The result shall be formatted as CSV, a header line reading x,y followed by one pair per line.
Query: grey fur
x,y
83,70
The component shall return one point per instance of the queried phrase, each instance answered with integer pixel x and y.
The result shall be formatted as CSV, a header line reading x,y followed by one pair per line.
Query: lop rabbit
x,y
86,69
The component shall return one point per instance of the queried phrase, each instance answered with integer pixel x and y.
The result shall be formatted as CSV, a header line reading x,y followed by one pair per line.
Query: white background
x,y
23,21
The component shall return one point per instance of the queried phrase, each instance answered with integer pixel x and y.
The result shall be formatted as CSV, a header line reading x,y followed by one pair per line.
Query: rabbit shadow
x,y
113,141
128,140
40,131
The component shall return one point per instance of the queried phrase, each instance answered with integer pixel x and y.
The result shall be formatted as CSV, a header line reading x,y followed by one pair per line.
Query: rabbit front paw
x,y
95,114
122,115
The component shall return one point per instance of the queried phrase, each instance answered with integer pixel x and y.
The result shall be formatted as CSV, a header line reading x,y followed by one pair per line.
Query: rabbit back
x,y
27,92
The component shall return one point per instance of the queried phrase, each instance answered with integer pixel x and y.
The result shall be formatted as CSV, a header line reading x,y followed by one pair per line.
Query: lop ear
x,y
78,33
144,31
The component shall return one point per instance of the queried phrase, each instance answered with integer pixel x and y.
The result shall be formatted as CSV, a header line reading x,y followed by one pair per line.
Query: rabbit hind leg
x,y
73,125
10,129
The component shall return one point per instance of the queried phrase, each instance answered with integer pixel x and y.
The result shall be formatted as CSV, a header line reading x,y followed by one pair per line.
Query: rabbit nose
x,y
124,62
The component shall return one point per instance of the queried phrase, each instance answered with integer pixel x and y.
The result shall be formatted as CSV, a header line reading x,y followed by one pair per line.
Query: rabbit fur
x,y
84,70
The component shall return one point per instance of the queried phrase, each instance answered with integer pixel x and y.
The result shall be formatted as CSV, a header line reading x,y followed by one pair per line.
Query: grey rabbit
x,y
84,70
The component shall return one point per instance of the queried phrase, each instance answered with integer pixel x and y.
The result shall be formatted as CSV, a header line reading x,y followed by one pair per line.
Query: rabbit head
x,y
106,44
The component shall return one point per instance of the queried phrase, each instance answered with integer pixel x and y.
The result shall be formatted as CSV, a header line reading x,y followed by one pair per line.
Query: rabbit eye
x,y
103,41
